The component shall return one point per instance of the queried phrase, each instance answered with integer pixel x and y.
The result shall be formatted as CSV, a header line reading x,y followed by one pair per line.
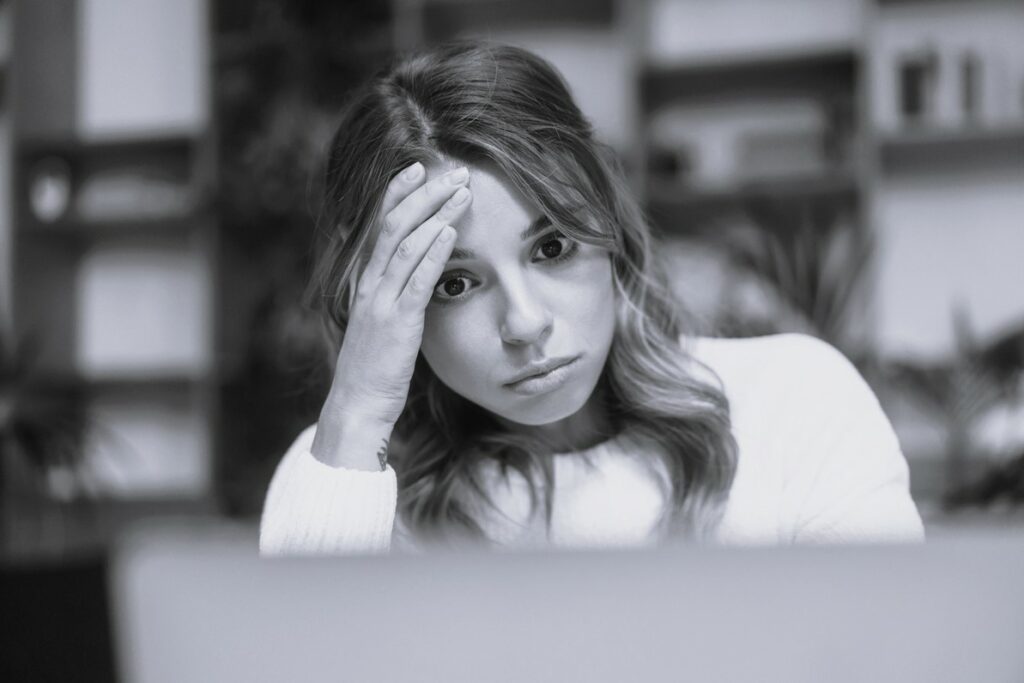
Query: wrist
x,y
351,439
341,408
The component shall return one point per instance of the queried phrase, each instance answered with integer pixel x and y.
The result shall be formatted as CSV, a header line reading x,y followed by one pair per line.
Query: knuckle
x,y
362,294
415,283
390,224
405,248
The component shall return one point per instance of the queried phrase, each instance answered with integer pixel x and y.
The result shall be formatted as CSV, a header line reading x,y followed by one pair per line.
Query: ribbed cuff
x,y
313,508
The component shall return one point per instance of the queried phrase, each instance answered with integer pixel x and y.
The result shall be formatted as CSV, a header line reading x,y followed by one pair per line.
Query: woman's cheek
x,y
591,276
452,329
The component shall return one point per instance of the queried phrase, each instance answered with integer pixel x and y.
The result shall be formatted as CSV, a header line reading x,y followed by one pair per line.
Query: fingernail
x,y
447,232
458,176
459,198
413,172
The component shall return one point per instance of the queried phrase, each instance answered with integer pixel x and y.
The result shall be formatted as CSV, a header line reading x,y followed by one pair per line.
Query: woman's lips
x,y
546,382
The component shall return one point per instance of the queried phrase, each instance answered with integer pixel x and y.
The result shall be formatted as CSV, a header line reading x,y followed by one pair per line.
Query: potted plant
x,y
38,444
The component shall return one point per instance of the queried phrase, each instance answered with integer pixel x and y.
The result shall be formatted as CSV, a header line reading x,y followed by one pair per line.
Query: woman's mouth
x,y
544,382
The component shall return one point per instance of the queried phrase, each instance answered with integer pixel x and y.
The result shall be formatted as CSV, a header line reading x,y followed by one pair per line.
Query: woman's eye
x,y
557,247
451,287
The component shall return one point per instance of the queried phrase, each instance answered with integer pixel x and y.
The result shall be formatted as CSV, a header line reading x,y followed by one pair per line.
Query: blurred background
x,y
852,169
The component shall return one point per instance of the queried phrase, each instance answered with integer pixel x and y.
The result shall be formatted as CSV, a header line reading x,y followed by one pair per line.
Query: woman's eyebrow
x,y
536,226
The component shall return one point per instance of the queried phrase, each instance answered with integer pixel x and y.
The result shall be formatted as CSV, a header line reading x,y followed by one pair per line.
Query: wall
x,y
946,240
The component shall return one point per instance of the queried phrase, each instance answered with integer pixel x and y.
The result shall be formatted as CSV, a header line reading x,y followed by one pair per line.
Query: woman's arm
x,y
315,508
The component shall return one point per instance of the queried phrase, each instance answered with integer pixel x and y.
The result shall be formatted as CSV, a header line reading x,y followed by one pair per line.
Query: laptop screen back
x,y
200,605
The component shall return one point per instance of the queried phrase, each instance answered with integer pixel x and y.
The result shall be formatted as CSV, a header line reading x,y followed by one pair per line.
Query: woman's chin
x,y
546,408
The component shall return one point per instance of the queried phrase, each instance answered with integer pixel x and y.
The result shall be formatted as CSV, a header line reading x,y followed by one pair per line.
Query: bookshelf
x,y
116,243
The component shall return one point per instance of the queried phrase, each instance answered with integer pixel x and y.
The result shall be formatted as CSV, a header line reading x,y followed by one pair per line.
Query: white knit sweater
x,y
818,462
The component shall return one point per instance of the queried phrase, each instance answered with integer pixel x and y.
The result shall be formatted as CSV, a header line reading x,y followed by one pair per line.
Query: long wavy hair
x,y
475,102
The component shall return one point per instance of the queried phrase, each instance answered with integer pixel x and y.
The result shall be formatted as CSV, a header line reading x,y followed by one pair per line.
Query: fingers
x,y
420,287
411,250
401,185
413,208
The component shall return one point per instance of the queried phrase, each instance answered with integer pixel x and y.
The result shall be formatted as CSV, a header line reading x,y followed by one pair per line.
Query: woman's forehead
x,y
497,205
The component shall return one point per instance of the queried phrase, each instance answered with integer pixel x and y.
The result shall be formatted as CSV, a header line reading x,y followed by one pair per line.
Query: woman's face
x,y
515,293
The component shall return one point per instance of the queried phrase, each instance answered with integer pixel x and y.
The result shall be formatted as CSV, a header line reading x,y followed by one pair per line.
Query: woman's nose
x,y
526,319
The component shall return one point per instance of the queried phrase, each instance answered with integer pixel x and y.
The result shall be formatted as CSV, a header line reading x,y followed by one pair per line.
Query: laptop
x,y
196,603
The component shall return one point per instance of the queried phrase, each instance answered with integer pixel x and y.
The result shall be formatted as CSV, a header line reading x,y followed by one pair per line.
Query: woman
x,y
508,365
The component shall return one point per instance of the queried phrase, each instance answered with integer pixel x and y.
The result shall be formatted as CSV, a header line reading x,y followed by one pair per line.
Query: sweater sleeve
x,y
848,480
313,508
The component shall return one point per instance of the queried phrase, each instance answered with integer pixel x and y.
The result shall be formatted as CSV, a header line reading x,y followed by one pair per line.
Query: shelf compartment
x,y
446,18
70,184
674,200
153,382
817,71
83,231
158,142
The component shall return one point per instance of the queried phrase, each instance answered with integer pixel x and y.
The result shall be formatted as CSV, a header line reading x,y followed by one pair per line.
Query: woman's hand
x,y
385,328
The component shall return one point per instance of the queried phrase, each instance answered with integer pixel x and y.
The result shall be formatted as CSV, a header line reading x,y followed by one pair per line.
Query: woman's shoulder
x,y
815,444
791,394
775,346
774,362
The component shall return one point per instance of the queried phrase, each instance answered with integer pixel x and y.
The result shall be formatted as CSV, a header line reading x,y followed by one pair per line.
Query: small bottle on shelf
x,y
970,82
917,76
